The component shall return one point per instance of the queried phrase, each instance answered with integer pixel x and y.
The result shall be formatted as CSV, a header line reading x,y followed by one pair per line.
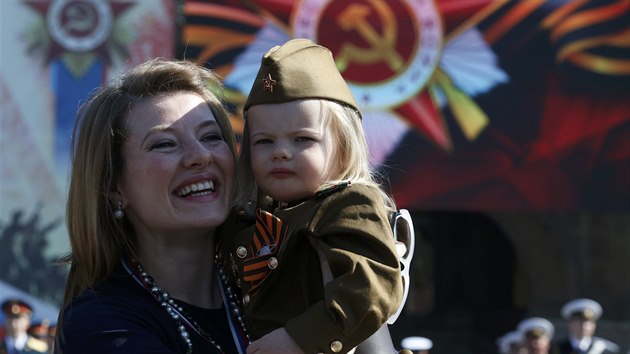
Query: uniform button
x,y
241,252
272,263
246,299
238,282
336,346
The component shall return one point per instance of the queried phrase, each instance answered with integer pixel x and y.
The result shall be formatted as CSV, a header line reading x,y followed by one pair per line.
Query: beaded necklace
x,y
183,321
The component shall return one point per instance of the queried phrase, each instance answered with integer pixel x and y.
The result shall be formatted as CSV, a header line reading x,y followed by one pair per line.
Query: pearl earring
x,y
119,213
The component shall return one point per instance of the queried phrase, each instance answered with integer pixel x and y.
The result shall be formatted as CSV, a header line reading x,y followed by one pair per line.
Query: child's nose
x,y
281,152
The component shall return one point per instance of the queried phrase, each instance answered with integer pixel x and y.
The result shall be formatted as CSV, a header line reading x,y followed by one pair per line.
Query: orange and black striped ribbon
x,y
590,35
267,238
593,35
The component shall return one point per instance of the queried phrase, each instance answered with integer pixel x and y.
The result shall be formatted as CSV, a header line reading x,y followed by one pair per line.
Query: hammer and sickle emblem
x,y
383,46
81,17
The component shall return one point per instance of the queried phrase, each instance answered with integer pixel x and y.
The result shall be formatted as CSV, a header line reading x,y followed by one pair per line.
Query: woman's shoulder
x,y
114,297
116,310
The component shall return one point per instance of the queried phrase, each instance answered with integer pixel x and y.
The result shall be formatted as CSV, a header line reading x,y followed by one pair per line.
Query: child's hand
x,y
277,341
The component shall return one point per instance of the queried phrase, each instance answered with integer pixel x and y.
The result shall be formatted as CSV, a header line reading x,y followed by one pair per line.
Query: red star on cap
x,y
268,83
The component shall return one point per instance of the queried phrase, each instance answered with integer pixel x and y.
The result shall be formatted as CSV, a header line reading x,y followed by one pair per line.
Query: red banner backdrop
x,y
469,105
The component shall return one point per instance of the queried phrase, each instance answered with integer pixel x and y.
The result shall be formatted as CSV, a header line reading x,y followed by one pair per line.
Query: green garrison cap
x,y
299,69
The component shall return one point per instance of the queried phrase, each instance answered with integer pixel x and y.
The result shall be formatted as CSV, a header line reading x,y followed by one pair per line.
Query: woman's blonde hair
x,y
345,124
98,240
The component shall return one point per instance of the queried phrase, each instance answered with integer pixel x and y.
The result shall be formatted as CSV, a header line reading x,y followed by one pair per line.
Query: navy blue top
x,y
119,316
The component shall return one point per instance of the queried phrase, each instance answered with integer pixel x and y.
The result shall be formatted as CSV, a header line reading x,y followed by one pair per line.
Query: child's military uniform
x,y
274,262
279,275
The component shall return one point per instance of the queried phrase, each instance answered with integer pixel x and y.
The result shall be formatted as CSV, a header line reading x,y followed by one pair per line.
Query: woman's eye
x,y
162,144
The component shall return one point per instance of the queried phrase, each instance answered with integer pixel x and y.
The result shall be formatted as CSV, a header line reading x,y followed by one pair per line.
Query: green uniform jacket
x,y
352,229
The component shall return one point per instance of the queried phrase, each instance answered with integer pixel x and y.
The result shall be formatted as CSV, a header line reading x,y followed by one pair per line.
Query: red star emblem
x,y
268,83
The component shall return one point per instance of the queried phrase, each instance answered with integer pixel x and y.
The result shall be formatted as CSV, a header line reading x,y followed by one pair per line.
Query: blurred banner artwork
x,y
53,54
469,105
472,105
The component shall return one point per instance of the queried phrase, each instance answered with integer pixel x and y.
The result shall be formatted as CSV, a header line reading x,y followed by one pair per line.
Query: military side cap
x,y
16,307
536,326
299,69
584,308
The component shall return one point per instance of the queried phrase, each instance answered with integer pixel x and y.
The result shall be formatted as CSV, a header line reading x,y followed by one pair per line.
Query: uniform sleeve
x,y
103,325
353,231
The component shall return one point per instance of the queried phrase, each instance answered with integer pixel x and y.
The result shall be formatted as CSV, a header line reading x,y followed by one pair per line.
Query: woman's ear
x,y
118,204
117,196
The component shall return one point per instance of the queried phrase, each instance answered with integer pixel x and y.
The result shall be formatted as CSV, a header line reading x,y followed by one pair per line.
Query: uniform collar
x,y
18,342
582,345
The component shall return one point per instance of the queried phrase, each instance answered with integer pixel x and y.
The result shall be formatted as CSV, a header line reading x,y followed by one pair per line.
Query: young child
x,y
304,149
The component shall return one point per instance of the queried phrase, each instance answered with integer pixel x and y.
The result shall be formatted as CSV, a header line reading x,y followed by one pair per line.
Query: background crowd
x,y
533,335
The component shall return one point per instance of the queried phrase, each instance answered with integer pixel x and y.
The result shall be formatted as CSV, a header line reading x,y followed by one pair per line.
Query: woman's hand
x,y
401,249
277,341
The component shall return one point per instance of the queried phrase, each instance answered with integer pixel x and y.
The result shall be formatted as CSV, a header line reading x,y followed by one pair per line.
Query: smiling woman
x,y
153,165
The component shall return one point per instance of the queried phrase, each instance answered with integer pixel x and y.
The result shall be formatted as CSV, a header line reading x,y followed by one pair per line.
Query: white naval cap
x,y
537,326
416,343
586,308
505,341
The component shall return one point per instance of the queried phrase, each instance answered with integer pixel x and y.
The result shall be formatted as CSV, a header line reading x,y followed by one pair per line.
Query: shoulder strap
x,y
323,262
381,340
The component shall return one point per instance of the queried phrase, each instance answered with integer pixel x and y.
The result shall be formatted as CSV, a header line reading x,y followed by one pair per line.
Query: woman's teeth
x,y
200,188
